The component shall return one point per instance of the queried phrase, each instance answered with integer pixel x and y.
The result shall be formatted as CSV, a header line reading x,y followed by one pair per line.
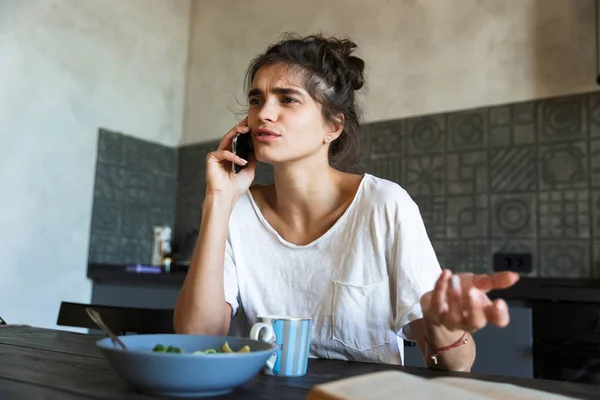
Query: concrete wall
x,y
67,68
423,56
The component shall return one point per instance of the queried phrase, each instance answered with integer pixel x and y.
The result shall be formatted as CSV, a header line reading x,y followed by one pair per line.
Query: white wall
x,y
66,68
423,56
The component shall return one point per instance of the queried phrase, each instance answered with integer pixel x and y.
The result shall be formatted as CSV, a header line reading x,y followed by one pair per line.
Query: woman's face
x,y
285,121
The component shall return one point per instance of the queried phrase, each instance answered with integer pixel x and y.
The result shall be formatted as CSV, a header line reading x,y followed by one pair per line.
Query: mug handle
x,y
268,336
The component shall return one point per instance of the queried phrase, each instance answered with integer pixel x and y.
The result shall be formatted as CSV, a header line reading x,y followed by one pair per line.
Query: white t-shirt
x,y
361,281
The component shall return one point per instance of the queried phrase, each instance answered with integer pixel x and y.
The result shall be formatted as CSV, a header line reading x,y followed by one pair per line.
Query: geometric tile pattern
x,y
391,168
593,110
595,162
513,216
520,177
565,258
513,169
595,213
426,135
425,174
512,125
191,188
467,172
439,246
562,118
564,214
135,189
387,139
564,165
467,217
468,255
433,212
467,130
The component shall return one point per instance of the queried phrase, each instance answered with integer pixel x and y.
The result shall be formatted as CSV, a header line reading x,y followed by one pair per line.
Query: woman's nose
x,y
268,112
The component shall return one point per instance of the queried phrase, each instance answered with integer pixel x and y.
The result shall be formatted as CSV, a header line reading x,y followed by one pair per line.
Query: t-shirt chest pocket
x,y
361,315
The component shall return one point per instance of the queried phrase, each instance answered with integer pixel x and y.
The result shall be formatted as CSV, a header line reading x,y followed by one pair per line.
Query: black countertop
x,y
527,289
112,273
552,289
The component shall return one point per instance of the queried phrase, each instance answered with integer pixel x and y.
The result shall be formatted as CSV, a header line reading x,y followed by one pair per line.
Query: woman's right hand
x,y
220,179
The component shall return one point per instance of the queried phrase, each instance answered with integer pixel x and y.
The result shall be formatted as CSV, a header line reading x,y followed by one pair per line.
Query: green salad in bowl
x,y
159,348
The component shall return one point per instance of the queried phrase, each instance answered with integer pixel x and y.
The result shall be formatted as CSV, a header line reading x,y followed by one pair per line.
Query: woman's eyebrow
x,y
276,90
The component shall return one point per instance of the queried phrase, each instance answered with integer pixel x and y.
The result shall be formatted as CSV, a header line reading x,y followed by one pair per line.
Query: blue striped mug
x,y
292,334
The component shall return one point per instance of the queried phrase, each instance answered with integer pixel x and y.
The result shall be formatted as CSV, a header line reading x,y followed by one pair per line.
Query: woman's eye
x,y
254,102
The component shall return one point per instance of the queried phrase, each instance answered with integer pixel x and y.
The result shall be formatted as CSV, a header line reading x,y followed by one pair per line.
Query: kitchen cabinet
x,y
142,296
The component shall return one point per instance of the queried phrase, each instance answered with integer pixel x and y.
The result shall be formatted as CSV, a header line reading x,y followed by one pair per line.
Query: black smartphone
x,y
241,147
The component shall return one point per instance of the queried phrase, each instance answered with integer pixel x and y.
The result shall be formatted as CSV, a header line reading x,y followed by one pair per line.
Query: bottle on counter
x,y
161,249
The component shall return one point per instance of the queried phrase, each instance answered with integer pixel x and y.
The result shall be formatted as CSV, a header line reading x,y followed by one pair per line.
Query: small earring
x,y
328,138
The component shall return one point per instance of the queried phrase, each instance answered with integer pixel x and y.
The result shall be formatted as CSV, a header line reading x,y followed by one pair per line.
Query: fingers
x,y
475,318
225,155
439,301
454,317
458,304
497,313
250,167
499,280
242,127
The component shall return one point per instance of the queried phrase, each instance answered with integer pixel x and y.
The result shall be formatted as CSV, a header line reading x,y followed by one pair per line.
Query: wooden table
x,y
49,364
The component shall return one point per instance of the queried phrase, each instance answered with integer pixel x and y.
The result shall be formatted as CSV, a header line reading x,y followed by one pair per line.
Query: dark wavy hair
x,y
332,75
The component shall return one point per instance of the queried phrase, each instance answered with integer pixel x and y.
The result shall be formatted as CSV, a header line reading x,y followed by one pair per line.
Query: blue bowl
x,y
185,375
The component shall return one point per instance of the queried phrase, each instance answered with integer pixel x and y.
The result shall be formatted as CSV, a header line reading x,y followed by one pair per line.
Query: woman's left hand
x,y
465,305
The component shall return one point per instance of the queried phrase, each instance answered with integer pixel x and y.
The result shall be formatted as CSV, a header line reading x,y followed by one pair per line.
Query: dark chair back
x,y
121,320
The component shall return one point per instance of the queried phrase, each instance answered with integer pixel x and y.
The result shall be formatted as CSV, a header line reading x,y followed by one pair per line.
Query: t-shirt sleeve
x,y
230,280
415,267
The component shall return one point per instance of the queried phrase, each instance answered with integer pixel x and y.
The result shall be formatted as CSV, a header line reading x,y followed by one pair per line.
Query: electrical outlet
x,y
516,262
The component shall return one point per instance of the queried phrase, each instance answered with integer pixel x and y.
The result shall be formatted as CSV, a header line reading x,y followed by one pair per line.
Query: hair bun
x,y
344,49
357,69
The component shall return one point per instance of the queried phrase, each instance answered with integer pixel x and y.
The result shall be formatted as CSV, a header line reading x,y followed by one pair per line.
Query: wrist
x,y
448,349
218,202
439,336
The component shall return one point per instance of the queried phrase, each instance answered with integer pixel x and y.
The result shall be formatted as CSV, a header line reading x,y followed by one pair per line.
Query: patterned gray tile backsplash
x,y
135,190
190,188
426,135
522,177
513,169
511,178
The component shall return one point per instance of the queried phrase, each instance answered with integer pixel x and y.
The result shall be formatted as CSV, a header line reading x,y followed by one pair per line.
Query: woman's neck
x,y
307,193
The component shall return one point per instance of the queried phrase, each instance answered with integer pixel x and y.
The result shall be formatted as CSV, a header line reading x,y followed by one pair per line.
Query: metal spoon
x,y
96,318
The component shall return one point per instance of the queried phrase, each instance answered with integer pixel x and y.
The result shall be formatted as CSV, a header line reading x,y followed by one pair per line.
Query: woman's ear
x,y
335,128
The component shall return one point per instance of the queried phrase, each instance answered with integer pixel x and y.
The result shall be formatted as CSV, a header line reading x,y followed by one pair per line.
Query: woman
x,y
349,250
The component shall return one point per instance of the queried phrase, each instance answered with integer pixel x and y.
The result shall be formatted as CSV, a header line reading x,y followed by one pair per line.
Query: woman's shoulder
x,y
381,192
251,198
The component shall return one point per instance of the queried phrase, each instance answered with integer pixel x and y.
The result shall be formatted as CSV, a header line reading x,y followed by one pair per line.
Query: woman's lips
x,y
265,135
